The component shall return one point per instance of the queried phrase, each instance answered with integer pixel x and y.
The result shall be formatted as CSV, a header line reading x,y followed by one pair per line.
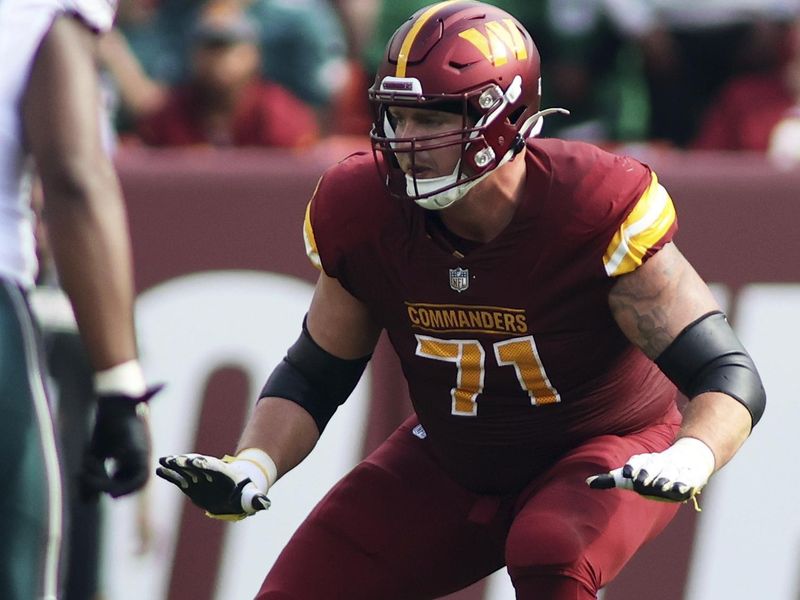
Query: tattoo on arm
x,y
644,323
642,303
655,302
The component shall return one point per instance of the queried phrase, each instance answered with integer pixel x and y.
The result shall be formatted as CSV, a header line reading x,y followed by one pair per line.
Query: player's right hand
x,y
214,485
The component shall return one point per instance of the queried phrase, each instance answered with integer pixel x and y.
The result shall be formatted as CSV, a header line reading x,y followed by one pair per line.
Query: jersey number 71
x,y
470,360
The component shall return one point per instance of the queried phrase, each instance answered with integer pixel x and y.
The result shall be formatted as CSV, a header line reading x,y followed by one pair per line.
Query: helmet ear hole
x,y
515,116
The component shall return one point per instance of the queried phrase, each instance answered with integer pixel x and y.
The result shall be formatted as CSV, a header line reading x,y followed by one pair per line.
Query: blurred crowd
x,y
708,74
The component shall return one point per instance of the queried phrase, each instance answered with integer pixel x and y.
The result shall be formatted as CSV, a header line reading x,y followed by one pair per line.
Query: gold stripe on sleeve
x,y
650,219
310,242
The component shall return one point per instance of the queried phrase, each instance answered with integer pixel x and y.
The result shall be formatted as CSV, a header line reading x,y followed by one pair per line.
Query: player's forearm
x,y
90,241
283,429
83,205
140,94
720,421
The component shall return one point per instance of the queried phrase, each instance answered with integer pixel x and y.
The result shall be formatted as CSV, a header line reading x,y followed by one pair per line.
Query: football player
x,y
544,320
49,115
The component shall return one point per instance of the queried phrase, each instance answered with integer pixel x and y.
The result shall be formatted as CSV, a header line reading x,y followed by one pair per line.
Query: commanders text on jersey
x,y
456,317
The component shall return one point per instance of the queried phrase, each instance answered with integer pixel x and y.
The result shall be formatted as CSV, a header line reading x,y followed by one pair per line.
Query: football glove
x,y
674,475
224,488
118,458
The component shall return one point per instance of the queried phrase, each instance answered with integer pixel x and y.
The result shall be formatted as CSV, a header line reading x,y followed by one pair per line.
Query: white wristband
x,y
126,379
258,466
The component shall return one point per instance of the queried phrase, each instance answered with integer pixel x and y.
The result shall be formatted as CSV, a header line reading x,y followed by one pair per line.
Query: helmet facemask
x,y
485,116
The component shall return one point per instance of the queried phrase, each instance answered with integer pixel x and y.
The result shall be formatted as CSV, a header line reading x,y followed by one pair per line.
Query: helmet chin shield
x,y
437,193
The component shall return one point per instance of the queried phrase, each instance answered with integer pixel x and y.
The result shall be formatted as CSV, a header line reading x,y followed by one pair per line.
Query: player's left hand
x,y
674,475
118,459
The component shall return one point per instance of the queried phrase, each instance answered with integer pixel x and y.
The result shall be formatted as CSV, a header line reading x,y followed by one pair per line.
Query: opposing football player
x,y
49,113
543,318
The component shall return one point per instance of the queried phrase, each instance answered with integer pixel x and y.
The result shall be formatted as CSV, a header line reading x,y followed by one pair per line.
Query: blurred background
x,y
678,74
222,115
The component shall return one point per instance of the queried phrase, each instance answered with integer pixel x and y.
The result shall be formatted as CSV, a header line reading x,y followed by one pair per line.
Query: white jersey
x,y
23,25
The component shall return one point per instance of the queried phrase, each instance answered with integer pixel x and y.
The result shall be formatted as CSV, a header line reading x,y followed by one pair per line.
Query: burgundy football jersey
x,y
510,350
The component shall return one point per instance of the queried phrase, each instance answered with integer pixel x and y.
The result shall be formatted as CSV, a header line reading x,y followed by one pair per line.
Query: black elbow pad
x,y
708,357
315,379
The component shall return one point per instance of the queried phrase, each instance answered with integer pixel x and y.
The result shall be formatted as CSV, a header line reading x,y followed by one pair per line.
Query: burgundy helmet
x,y
465,57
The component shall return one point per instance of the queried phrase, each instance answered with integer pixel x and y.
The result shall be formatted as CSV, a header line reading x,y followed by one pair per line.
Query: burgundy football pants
x,y
398,528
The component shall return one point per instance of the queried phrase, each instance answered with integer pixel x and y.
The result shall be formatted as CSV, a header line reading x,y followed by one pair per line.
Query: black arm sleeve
x,y
315,379
708,357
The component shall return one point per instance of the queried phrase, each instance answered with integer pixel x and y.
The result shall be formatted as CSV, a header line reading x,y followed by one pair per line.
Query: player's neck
x,y
489,207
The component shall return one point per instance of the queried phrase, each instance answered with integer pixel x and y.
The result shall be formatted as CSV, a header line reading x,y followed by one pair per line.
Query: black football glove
x,y
118,459
216,485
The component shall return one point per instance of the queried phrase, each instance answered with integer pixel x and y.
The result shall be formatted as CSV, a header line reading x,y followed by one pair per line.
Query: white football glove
x,y
230,488
674,475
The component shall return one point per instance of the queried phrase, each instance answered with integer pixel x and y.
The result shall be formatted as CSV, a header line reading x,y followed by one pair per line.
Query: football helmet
x,y
459,56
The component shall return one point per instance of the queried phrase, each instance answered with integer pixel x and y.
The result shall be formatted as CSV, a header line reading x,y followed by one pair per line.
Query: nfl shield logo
x,y
459,279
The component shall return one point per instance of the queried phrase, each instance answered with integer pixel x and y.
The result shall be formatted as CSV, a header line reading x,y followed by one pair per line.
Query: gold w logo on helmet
x,y
502,39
